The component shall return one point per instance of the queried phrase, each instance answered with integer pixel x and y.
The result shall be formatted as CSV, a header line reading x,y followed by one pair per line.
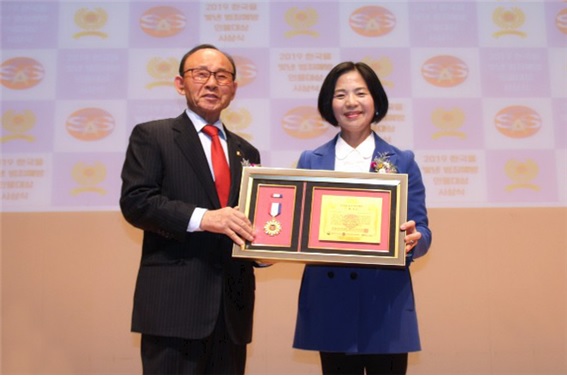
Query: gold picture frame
x,y
323,216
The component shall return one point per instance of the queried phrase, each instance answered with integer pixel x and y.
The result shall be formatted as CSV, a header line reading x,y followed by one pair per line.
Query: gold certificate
x,y
350,219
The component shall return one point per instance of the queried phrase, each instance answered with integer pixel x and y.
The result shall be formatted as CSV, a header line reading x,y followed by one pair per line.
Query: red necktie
x,y
220,166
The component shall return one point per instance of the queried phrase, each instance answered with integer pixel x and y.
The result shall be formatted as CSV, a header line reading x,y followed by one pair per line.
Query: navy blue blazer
x,y
185,279
361,309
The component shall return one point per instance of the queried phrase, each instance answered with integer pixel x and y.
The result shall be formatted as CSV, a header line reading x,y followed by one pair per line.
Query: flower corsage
x,y
382,165
246,163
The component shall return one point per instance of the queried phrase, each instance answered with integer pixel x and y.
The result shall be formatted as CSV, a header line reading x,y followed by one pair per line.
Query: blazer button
x,y
353,275
331,274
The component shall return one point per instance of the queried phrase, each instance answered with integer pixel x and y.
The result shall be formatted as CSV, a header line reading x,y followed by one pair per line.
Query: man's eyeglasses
x,y
202,75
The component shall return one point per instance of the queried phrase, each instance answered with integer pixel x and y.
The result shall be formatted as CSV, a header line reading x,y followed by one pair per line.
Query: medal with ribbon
x,y
273,227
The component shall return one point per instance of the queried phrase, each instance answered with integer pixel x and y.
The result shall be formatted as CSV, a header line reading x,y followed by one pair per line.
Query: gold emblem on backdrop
x,y
522,174
448,123
90,124
21,73
509,21
383,67
238,120
18,124
445,71
88,178
304,122
561,21
301,21
518,121
162,70
163,21
91,21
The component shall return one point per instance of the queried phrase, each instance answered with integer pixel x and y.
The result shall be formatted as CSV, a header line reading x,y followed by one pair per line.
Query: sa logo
x,y
372,21
163,21
90,124
21,73
444,71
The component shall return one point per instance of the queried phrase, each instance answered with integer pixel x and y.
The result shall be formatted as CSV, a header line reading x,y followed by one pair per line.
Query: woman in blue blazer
x,y
362,319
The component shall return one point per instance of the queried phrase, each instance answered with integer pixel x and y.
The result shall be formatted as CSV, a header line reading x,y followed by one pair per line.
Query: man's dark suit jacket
x,y
184,278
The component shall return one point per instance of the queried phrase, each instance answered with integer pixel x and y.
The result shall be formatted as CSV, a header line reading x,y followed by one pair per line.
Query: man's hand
x,y
229,221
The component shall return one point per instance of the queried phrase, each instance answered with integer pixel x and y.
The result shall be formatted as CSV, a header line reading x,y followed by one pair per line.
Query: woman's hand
x,y
412,235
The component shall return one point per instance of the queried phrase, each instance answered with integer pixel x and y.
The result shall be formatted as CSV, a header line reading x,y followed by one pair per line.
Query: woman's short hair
x,y
327,92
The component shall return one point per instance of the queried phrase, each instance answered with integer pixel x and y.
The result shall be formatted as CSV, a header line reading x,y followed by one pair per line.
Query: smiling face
x,y
206,99
353,106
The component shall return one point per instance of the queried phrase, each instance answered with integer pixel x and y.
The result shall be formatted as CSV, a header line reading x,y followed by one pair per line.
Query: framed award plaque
x,y
321,216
